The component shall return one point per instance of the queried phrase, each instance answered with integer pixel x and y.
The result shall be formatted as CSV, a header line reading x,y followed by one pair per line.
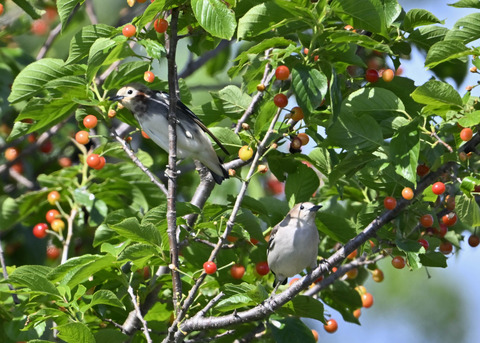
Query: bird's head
x,y
133,97
304,211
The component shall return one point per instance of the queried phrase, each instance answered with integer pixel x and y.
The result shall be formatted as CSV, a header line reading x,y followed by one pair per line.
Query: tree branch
x,y
172,161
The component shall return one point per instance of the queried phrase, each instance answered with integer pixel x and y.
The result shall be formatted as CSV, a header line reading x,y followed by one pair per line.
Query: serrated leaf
x,y
425,37
65,8
75,333
139,254
336,227
130,228
370,16
309,86
467,210
301,185
46,112
304,306
232,101
466,4
358,39
445,51
34,277
78,269
33,77
106,297
262,18
99,51
290,329
466,29
153,48
418,17
83,40
405,150
438,94
215,17
433,259
470,119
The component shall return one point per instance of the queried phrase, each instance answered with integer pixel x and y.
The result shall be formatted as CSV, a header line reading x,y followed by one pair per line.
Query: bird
x,y
150,108
293,243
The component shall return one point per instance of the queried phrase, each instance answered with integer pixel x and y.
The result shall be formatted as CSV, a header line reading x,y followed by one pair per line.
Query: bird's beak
x,y
316,208
116,98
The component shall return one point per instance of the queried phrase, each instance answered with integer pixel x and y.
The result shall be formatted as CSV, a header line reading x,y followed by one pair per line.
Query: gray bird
x,y
293,244
150,108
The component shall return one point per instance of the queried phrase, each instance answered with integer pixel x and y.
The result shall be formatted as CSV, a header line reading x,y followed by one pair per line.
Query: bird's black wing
x,y
182,108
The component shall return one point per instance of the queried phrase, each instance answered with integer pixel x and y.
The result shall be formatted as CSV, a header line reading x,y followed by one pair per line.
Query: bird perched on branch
x,y
150,108
293,244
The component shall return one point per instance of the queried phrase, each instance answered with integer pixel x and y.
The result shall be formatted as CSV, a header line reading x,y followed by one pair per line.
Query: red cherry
x,y
473,241
262,268
388,75
426,220
424,243
11,153
446,247
148,76
53,197
53,252
82,137
101,164
90,121
407,193
438,188
422,170
466,134
280,100
210,267
40,230
371,75
297,114
93,160
398,262
237,271
129,30
377,275
442,231
160,25
331,326
367,300
389,203
282,73
449,219
52,215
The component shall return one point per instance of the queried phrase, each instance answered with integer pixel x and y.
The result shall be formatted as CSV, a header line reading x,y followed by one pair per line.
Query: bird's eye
x,y
301,207
130,92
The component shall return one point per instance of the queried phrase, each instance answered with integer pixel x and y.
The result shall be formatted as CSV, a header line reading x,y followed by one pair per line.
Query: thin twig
x,y
68,239
434,134
139,164
139,314
91,12
5,275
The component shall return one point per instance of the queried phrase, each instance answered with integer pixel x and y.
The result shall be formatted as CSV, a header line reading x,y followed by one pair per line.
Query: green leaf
x,y
97,55
83,40
8,212
65,8
290,329
433,259
153,48
215,17
369,16
130,228
46,112
355,132
75,333
139,254
344,36
467,210
418,17
470,119
35,278
335,226
236,296
445,51
350,164
309,86
32,78
438,94
78,269
466,4
304,306
320,157
404,152
262,18
425,37
232,101
150,13
301,185
466,29
71,87
28,7
105,297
